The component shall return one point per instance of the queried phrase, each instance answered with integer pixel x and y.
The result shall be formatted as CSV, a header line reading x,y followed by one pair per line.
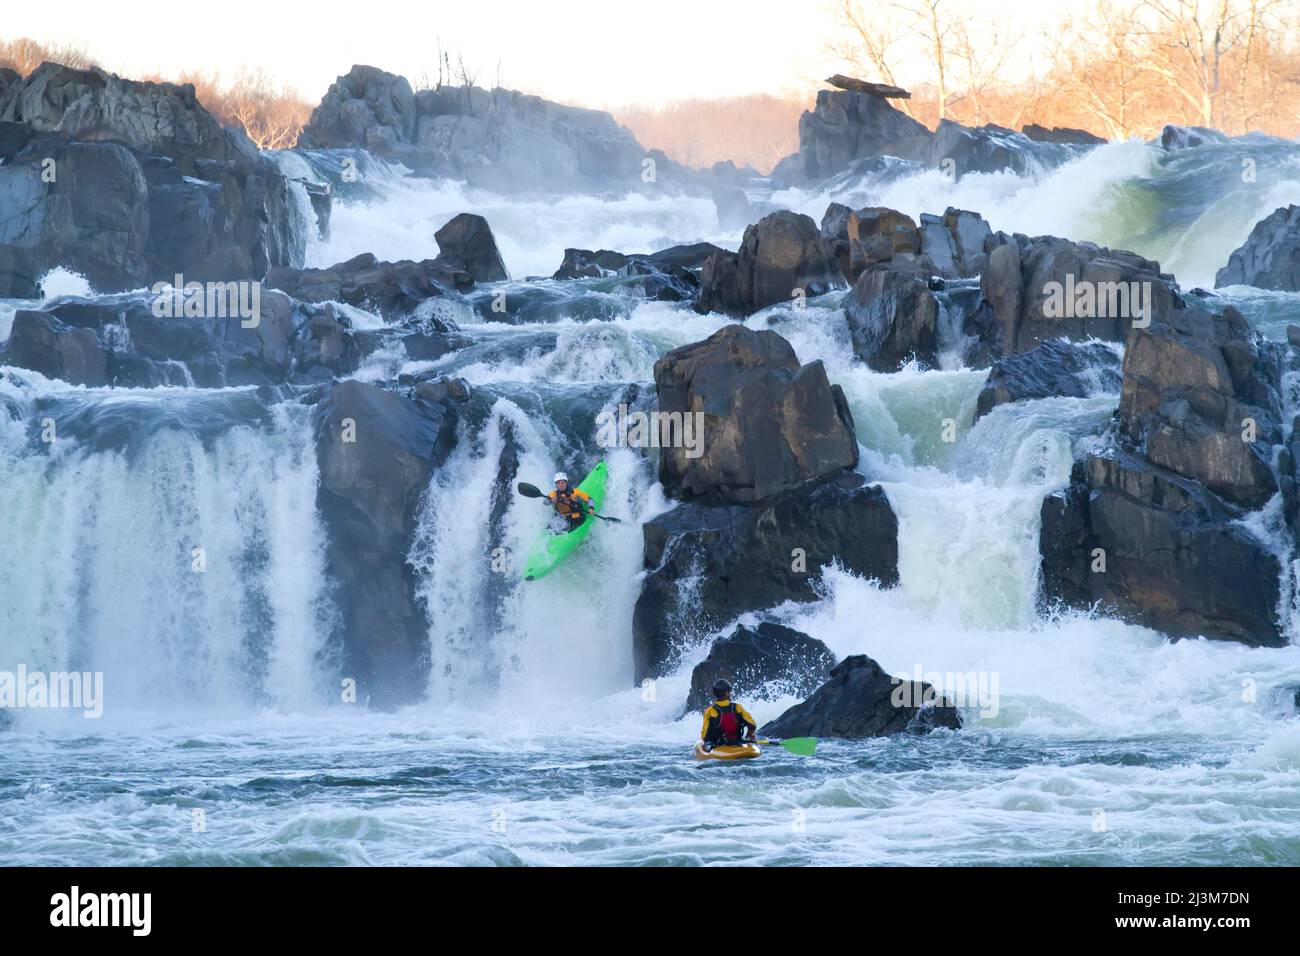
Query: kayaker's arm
x,y
748,721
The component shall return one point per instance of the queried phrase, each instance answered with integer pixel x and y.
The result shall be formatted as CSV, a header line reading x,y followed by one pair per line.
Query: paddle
x,y
532,491
801,746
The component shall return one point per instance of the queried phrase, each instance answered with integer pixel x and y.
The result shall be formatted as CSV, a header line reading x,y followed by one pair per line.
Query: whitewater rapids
x,y
223,741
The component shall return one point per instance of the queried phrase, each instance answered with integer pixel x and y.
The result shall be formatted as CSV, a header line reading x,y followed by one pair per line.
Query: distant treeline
x,y
1117,68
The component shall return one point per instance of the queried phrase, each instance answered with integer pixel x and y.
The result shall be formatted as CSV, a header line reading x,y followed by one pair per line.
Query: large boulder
x,y
365,107
707,565
893,318
1200,398
42,343
501,140
215,208
764,423
781,257
1270,256
961,149
861,700
957,243
765,660
80,205
91,104
846,125
376,451
1146,545
1043,288
466,243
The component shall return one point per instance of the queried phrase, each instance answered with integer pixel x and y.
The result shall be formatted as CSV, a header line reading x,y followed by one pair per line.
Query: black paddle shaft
x,y
532,491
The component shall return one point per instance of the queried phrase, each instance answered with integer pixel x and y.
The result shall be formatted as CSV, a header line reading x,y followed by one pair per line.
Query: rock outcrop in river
x,y
134,182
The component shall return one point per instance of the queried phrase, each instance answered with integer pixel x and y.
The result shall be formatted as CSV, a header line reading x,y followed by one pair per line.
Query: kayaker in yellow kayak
x,y
725,721
571,504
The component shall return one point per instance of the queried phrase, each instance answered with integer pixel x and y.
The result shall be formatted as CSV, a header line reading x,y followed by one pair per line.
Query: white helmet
x,y
560,476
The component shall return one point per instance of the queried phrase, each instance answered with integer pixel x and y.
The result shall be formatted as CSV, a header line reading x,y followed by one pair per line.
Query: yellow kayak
x,y
726,752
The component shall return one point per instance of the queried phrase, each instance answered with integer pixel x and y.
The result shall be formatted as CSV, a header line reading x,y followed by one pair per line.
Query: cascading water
x,y
231,674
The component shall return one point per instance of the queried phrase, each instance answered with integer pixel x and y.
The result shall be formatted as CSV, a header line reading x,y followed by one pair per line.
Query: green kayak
x,y
554,548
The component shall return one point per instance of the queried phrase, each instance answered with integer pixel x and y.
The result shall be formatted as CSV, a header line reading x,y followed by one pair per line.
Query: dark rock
x,y
81,205
1192,381
1270,256
768,424
983,149
1054,369
41,343
893,318
861,700
1174,557
769,658
670,275
705,566
780,256
1046,288
854,85
845,126
389,288
466,243
19,273
1062,134
165,118
956,243
368,496
1189,137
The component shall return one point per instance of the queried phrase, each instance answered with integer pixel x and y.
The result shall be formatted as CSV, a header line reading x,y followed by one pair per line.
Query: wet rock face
x,y
1201,400
81,204
1154,548
1053,369
211,206
1043,288
162,118
762,424
768,657
781,256
1174,137
1270,256
847,125
466,243
389,288
860,700
893,318
707,565
375,450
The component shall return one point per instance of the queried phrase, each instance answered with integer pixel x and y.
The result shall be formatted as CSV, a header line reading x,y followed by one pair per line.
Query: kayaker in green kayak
x,y
726,723
571,504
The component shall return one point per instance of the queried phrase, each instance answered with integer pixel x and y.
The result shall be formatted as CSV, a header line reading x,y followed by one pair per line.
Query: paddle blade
x,y
529,491
803,746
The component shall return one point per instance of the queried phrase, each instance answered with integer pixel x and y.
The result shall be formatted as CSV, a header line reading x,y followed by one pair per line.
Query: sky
x,y
593,53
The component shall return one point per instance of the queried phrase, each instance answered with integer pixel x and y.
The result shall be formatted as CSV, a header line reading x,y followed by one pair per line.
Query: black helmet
x,y
721,687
